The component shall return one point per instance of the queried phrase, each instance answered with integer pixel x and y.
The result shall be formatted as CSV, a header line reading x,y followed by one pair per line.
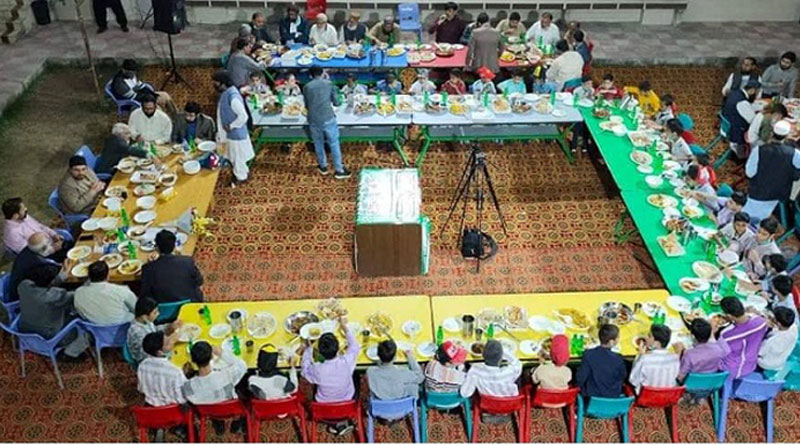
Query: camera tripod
x,y
474,184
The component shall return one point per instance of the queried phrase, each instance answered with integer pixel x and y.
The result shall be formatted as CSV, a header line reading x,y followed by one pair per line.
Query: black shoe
x,y
323,170
344,174
125,29
237,426
182,432
343,430
219,427
102,30
286,148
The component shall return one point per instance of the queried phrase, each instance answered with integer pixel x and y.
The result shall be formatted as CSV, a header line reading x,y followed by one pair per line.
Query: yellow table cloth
x,y
544,304
399,308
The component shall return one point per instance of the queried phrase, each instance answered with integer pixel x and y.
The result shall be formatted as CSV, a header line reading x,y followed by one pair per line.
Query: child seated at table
x,y
514,84
707,173
701,190
585,90
727,207
269,383
455,85
288,86
739,234
422,84
607,89
775,264
706,355
602,371
484,83
445,373
779,343
390,84
654,365
780,294
648,100
764,245
666,113
388,381
553,372
352,87
490,378
679,149
256,85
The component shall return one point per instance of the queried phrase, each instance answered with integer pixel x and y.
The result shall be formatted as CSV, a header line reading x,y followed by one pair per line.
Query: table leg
x,y
562,140
399,148
426,143
622,236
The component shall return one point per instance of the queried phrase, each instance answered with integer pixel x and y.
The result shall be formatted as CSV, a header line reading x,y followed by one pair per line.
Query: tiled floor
x,y
695,44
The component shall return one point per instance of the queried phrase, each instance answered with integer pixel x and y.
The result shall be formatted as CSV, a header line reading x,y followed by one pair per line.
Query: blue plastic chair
x,y
710,384
392,410
11,307
91,160
39,345
109,336
750,388
604,408
724,131
408,18
70,219
443,401
122,104
686,121
169,311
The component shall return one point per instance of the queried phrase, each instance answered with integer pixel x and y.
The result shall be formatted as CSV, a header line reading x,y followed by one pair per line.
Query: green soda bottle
x,y
126,222
573,345
580,344
539,42
206,315
426,97
445,97
121,235
439,336
280,97
393,98
490,331
553,98
505,93
485,99
237,347
377,100
390,40
153,150
131,251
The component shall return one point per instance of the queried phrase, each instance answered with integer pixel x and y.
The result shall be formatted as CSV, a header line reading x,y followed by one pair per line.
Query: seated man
x,y
334,375
193,125
567,66
511,27
104,303
258,27
648,100
744,337
747,71
445,373
489,377
353,31
781,294
171,278
764,245
34,256
160,380
386,31
212,385
146,313
126,85
780,342
706,355
323,33
390,382
79,190
117,146
654,365
780,79
45,310
553,373
544,31
390,84
293,27
268,383
602,370
19,226
739,234
422,84
149,124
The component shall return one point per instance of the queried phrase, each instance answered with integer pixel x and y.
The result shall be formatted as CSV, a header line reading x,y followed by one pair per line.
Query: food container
x,y
467,325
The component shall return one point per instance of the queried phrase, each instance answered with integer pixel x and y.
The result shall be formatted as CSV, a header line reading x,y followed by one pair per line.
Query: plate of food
x,y
386,109
122,247
220,330
116,191
435,108
126,165
516,317
411,328
144,216
331,309
305,61
679,304
168,179
78,253
188,332
380,323
601,113
144,162
427,349
364,108
112,204
616,312
324,55
112,260
261,325
574,319
427,56
539,323
610,126
692,212
641,157
476,348
529,348
312,331
756,302
543,106
661,201
396,50
404,106
80,270
508,57
727,258
459,109
144,189
640,139
691,285
521,107
451,324
130,267
650,308
707,271
487,316
297,320
670,245
645,169
653,181
501,106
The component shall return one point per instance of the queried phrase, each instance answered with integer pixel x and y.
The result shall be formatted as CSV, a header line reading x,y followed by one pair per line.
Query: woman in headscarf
x,y
269,383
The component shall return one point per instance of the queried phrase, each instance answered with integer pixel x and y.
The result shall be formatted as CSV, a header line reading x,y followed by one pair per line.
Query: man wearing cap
x,y
554,374
353,31
79,189
386,31
323,33
771,169
446,372
738,110
489,378
484,83
232,127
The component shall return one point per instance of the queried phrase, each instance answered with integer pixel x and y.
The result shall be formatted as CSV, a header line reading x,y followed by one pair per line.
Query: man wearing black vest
x,y
738,110
771,168
747,72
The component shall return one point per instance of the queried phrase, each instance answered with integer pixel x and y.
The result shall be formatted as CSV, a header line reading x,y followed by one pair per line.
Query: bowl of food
x,y
297,320
476,348
168,179
601,113
130,267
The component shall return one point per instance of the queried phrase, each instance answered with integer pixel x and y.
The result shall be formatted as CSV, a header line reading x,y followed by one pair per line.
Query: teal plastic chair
x,y
697,150
126,355
724,131
686,121
169,311
604,408
710,384
443,401
724,190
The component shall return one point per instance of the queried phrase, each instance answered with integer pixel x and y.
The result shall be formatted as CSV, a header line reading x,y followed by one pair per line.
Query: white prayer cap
x,y
782,128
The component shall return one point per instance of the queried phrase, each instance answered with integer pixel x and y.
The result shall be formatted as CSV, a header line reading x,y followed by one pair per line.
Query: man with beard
x,y
33,256
149,124
79,189
747,72
232,126
258,27
771,169
780,79
738,110
19,226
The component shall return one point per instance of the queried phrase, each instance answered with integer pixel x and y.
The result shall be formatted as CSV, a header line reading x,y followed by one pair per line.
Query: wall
x,y
742,10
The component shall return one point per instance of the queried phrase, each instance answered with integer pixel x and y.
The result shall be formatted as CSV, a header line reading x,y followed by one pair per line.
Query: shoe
x,y
182,432
344,174
237,426
125,29
102,30
68,359
323,170
347,429
219,427
286,148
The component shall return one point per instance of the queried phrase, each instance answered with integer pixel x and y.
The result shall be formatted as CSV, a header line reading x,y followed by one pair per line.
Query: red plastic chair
x,y
666,398
314,7
221,411
796,296
162,417
516,405
274,409
556,398
335,412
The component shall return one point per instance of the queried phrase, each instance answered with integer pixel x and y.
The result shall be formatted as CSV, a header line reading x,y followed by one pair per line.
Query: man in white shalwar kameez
x,y
232,127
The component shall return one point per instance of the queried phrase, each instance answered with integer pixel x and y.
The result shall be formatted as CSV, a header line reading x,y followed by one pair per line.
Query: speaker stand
x,y
174,75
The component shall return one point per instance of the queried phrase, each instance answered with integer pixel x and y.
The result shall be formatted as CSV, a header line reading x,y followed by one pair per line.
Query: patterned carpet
x,y
288,234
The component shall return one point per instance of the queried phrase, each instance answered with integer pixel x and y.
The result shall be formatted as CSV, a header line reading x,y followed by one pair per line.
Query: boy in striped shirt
x,y
655,366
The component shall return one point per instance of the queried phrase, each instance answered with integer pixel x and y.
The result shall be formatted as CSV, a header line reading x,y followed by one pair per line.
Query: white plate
x,y
559,113
707,271
727,257
305,331
427,349
113,260
109,223
189,332
646,169
372,353
114,190
702,285
144,189
267,318
679,304
90,224
756,302
144,216
207,146
123,247
146,202
112,204
80,270
411,328
451,324
556,327
529,347
539,323
675,324
220,330
191,167
78,253
134,271
677,182
651,307
654,181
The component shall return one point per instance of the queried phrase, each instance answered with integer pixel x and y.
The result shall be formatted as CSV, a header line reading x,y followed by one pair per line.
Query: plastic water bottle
x,y
444,98
126,222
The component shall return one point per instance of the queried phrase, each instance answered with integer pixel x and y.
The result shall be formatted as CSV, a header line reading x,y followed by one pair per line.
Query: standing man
x,y
320,98
543,32
738,109
232,126
449,27
100,7
484,46
771,169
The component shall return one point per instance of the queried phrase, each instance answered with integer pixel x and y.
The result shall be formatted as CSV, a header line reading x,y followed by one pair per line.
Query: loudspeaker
x,y
169,16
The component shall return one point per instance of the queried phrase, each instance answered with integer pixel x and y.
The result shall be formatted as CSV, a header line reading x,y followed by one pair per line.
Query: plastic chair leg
x,y
100,362
312,431
770,409
468,418
579,421
673,422
415,424
22,359
723,411
476,424
625,425
370,429
201,434
302,423
57,371
254,431
630,422
571,422
423,422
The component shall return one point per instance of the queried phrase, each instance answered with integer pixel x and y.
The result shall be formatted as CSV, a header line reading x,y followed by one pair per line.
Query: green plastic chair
x,y
604,408
712,384
724,131
168,312
443,401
